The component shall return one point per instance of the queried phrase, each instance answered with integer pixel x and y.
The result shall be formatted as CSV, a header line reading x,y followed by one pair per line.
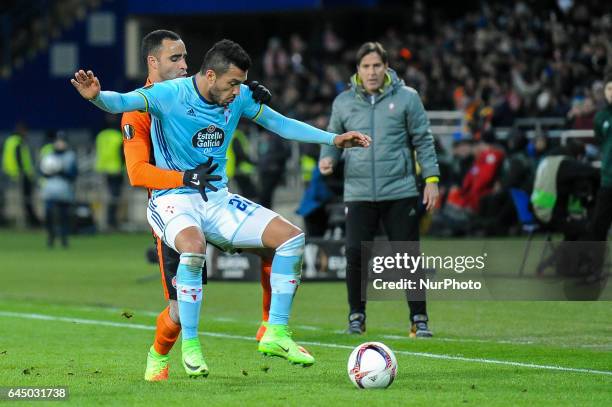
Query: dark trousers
x,y
316,222
602,215
114,183
401,223
27,191
246,186
599,227
268,181
57,220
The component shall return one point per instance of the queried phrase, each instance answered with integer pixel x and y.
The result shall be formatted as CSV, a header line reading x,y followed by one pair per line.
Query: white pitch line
x,y
322,344
505,342
395,337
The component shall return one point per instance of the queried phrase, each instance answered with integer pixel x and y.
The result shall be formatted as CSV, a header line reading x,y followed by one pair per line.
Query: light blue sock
x,y
285,278
189,292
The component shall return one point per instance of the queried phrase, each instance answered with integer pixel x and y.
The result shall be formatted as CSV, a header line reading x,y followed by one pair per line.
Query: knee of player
x,y
294,231
193,246
293,246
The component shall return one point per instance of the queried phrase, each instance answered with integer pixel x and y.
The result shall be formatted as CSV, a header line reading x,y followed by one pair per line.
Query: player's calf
x,y
285,278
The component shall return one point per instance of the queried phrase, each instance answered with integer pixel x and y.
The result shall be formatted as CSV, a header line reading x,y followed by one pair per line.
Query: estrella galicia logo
x,y
210,137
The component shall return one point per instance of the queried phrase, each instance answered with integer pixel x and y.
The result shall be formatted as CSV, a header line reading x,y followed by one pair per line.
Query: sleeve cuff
x,y
432,180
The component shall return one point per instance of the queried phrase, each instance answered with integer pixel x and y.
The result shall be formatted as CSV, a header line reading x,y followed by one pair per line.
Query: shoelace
x,y
421,326
355,324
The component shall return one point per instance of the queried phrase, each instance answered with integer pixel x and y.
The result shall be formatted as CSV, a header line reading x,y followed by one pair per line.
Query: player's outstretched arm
x,y
88,86
295,130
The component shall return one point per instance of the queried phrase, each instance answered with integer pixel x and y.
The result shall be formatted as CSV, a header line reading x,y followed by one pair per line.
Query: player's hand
x,y
201,176
261,94
352,139
326,166
430,196
87,84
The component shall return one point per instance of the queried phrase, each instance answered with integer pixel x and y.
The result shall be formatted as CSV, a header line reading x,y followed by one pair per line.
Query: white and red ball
x,y
372,365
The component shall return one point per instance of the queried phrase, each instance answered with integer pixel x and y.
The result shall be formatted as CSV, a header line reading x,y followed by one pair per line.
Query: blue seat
x,y
528,220
521,204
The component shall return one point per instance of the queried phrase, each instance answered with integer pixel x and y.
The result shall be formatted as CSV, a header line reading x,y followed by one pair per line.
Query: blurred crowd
x,y
487,184
501,62
505,61
33,26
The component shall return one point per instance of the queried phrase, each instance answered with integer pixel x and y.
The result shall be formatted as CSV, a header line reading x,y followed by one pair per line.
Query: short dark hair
x,y
223,54
152,42
369,47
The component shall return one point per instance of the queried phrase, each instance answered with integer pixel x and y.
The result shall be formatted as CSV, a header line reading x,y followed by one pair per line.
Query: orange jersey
x,y
136,129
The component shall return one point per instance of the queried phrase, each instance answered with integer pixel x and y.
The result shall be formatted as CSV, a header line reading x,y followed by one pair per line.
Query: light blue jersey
x,y
186,129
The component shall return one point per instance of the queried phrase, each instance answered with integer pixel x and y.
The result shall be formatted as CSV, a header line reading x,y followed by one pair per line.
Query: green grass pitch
x,y
61,324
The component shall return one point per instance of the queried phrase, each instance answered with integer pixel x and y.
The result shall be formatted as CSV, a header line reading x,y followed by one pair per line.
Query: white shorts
x,y
228,221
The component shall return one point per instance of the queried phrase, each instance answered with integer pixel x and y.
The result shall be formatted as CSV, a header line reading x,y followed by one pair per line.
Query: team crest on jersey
x,y
128,132
210,137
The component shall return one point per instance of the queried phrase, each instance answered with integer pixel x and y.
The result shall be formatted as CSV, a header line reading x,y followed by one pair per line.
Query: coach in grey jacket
x,y
380,182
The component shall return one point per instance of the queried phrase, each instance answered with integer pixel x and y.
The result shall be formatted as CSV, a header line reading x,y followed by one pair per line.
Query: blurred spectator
x,y
481,178
59,167
312,206
275,59
332,44
461,161
497,212
17,164
463,202
538,148
272,157
239,165
109,163
582,113
47,148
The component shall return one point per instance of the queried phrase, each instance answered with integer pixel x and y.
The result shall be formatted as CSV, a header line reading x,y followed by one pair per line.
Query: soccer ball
x,y
51,165
372,365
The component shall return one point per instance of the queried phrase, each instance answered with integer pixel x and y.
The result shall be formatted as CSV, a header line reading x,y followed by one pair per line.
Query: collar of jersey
x,y
195,87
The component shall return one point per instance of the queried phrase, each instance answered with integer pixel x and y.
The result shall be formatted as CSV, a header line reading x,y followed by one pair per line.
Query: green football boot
x,y
277,342
193,360
157,366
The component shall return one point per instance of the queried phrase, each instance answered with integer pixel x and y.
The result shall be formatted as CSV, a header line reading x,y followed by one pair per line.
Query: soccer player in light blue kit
x,y
193,119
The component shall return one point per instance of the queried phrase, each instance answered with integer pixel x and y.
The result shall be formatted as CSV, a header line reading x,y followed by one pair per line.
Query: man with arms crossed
x,y
194,119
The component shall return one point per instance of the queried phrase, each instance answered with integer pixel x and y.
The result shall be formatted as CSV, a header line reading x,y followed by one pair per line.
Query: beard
x,y
214,96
